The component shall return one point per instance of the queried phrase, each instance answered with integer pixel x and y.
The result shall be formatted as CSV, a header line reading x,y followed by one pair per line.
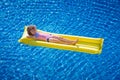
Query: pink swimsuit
x,y
42,35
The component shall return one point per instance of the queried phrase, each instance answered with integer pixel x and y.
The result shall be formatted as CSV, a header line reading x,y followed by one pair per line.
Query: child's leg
x,y
54,40
65,40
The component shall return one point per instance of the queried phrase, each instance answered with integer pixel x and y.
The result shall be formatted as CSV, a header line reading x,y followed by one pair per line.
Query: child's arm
x,y
30,37
40,39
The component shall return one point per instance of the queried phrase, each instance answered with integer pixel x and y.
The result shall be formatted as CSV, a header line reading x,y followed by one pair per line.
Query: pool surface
x,y
90,18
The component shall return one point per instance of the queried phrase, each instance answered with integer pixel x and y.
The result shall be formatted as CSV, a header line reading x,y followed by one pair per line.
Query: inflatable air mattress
x,y
85,44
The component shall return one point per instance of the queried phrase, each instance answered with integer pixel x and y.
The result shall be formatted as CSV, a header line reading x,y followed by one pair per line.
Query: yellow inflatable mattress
x,y
85,44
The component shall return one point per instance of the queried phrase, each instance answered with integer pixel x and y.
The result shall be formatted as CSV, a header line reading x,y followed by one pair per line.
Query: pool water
x,y
90,18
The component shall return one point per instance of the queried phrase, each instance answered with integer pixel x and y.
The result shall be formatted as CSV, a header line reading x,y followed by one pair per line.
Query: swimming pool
x,y
75,17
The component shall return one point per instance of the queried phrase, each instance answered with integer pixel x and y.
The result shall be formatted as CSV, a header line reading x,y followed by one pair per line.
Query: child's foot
x,y
74,42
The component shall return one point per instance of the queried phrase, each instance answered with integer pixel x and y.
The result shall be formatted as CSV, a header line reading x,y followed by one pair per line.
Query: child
x,y
33,33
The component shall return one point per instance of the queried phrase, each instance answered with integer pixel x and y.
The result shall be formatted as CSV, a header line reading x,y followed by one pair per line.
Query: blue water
x,y
90,18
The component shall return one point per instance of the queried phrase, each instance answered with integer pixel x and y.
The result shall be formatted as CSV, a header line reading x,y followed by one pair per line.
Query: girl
x,y
33,33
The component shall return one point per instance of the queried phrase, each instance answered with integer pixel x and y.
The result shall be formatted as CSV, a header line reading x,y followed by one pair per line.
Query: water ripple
x,y
75,17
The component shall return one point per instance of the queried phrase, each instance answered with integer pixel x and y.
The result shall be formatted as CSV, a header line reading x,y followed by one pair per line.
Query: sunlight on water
x,y
99,19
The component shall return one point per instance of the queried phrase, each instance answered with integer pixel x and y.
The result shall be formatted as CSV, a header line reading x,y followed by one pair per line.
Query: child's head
x,y
31,30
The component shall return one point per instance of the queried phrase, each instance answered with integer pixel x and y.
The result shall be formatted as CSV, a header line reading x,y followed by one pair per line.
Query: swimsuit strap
x,y
36,34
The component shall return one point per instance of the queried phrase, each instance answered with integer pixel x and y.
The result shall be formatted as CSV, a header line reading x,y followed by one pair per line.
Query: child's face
x,y
33,30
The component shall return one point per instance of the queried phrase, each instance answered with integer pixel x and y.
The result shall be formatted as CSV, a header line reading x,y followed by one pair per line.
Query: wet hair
x,y
29,28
